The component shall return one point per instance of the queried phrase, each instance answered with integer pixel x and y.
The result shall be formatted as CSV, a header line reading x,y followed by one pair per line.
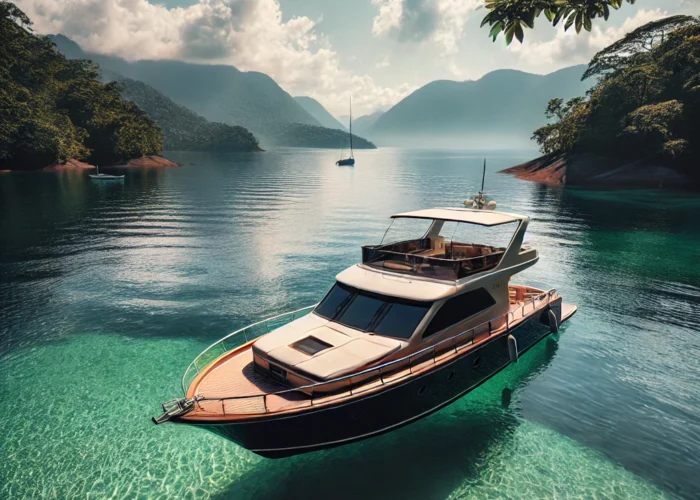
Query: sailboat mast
x,y
483,176
351,153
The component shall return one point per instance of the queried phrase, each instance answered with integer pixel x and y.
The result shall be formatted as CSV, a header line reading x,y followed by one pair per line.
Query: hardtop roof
x,y
471,216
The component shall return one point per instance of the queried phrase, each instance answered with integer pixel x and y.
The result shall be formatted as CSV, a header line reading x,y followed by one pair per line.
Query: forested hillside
x,y
640,123
183,130
311,136
55,109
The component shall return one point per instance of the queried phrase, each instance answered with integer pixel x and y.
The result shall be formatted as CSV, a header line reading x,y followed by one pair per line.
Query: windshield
x,y
370,312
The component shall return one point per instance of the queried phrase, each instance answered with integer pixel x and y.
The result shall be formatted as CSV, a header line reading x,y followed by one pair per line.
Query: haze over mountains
x,y
183,130
224,94
316,109
501,110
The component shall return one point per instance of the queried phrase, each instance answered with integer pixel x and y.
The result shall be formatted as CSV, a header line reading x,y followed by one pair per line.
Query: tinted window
x,y
332,302
458,309
360,312
366,311
401,319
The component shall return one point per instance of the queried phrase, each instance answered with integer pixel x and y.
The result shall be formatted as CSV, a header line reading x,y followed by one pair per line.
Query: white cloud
x,y
568,48
384,63
249,34
441,21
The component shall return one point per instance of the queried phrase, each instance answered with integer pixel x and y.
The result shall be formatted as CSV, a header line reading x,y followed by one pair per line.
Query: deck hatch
x,y
310,345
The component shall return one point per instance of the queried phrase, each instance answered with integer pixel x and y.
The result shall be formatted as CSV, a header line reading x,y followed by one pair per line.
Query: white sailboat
x,y
348,162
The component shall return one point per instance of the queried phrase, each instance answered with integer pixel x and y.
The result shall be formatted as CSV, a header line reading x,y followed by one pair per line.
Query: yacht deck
x,y
233,374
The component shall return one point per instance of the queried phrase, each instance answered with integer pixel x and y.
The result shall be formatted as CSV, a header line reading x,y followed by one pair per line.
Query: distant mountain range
x,y
226,95
501,110
316,109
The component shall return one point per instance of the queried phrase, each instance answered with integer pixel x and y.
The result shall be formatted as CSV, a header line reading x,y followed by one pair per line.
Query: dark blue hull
x,y
347,162
283,436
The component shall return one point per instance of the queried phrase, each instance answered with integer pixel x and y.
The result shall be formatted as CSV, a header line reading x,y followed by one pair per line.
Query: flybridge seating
x,y
451,243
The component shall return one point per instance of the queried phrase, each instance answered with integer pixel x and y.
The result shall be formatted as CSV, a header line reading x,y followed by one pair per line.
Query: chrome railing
x,y
237,339
350,383
533,301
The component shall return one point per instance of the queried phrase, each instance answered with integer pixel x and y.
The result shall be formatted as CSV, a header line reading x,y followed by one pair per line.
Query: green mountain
x,y
316,109
183,130
54,109
312,136
498,111
222,94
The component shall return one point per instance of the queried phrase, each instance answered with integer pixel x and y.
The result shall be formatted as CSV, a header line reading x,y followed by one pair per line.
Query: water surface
x,y
109,290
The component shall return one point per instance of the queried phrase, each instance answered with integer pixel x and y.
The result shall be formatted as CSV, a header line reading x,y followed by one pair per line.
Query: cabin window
x,y
361,311
334,301
459,308
371,312
402,319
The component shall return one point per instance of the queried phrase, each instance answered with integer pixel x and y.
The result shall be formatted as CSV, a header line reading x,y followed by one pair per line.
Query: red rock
x,y
68,165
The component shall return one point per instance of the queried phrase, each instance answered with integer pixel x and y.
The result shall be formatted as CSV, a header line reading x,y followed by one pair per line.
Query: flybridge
x,y
444,250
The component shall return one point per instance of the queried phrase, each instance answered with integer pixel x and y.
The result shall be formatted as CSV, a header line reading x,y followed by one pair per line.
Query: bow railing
x,y
237,339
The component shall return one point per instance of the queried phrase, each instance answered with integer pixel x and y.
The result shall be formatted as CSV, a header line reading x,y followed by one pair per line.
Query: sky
x,y
378,51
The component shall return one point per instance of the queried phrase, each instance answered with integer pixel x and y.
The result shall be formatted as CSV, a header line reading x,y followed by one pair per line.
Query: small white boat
x,y
105,177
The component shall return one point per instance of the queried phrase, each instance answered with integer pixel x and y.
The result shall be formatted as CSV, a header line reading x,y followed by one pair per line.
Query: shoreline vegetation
x,y
57,112
639,125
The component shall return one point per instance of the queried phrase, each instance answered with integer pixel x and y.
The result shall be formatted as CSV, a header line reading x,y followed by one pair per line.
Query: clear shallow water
x,y
108,292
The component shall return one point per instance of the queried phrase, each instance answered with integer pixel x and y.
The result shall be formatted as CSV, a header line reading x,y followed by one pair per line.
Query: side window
x,y
331,304
458,309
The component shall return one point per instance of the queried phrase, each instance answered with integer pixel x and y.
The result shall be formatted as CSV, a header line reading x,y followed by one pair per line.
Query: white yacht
x,y
428,315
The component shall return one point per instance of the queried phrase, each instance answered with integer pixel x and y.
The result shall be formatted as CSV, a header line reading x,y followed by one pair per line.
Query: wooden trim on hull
x,y
286,435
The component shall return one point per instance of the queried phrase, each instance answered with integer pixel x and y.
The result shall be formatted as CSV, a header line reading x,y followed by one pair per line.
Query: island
x,y
639,126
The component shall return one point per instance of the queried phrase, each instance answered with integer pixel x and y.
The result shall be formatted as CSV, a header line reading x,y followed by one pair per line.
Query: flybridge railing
x,y
237,339
533,302
349,385
436,267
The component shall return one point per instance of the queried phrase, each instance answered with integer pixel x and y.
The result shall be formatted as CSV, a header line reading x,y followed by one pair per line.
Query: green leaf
x,y
587,23
529,19
549,14
579,22
497,28
510,31
569,22
519,33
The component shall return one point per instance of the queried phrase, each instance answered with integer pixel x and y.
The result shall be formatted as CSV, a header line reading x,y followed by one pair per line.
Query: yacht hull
x,y
419,396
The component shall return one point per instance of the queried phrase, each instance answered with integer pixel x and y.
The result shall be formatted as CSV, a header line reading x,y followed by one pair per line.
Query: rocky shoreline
x,y
590,170
143,162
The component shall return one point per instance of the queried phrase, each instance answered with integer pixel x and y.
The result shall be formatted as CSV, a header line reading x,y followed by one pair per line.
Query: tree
x,y
654,129
512,16
54,109
635,45
560,136
645,105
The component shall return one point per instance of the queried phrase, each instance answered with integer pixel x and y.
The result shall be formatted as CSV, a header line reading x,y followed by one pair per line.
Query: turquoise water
x,y
108,292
